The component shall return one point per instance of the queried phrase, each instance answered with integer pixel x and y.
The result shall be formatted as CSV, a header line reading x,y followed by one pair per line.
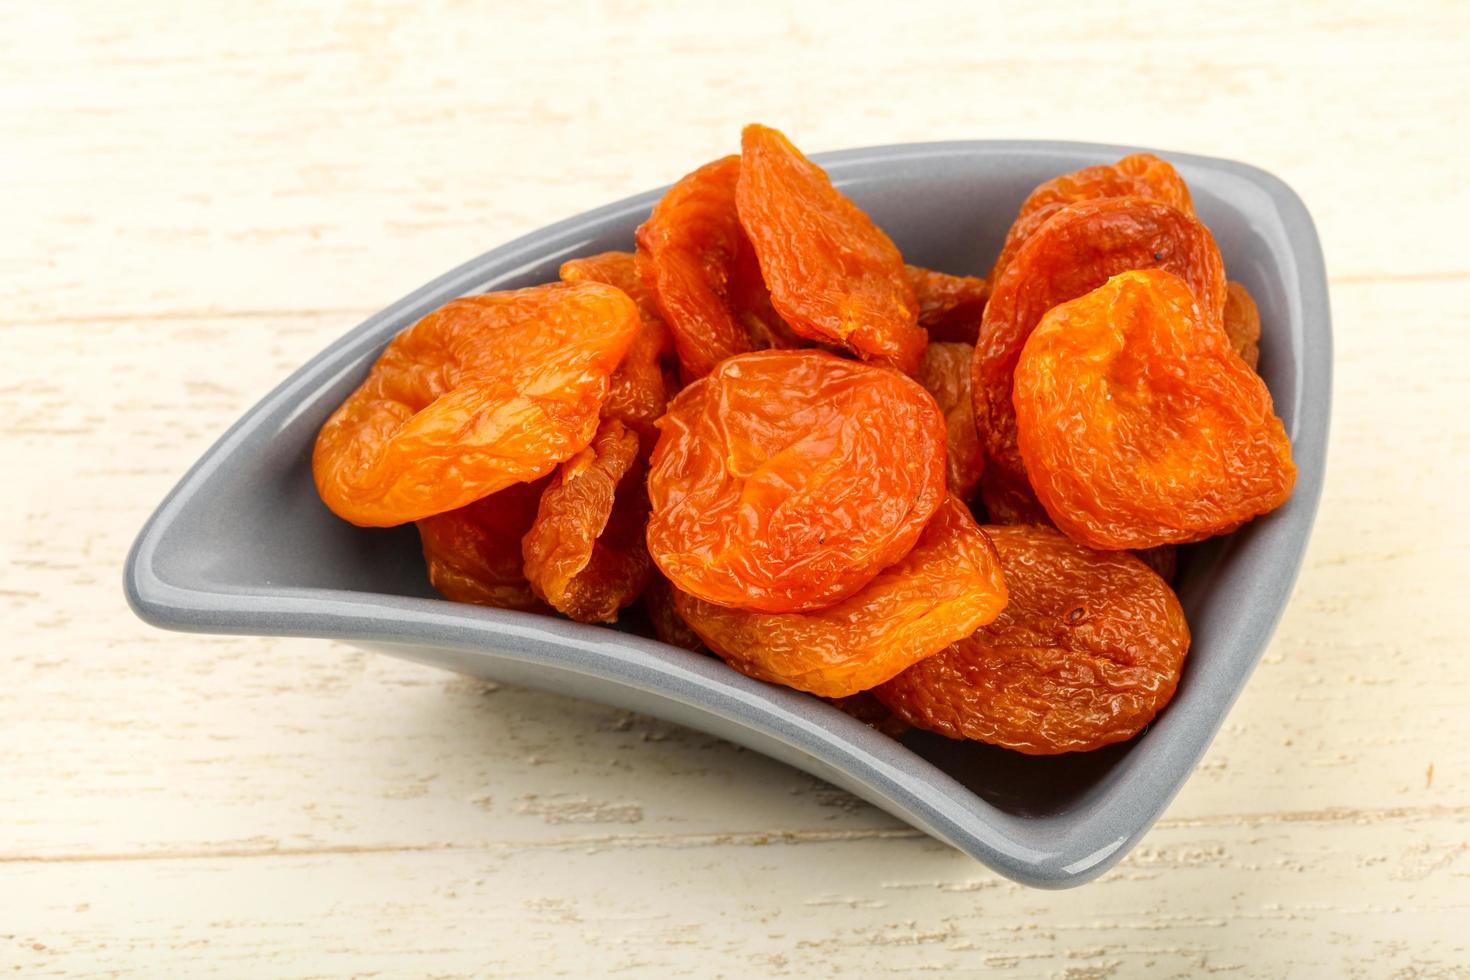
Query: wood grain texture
x,y
196,198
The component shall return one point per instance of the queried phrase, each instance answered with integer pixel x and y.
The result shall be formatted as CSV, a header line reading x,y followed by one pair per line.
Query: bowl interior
x,y
254,526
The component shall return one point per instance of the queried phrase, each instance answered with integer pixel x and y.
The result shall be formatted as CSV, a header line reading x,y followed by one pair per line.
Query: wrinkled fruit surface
x,y
786,480
945,374
950,307
1243,323
585,554
1139,426
834,275
474,553
668,625
485,392
941,591
638,390
1077,250
1137,175
1085,654
871,712
697,263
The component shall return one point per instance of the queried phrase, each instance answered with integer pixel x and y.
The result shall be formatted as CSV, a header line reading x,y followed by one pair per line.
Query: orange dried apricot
x,y
638,390
833,274
696,261
483,393
1078,249
474,552
946,587
585,554
945,374
1086,652
784,481
1136,175
1243,323
1139,426
950,307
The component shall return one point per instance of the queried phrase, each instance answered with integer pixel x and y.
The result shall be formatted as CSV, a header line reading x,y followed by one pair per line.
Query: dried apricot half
x,y
638,390
1078,249
1139,426
950,307
833,274
474,552
485,392
945,374
1086,652
949,585
784,481
1243,323
1136,175
585,553
695,259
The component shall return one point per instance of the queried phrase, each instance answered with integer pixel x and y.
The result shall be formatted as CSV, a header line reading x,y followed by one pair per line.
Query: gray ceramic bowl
x,y
243,545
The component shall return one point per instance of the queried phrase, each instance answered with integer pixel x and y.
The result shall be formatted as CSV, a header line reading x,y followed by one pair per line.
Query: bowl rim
x,y
786,724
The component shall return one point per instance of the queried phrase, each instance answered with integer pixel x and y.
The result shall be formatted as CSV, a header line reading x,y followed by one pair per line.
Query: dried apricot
x,y
784,481
833,274
1008,499
945,373
1136,175
585,553
949,585
1243,323
485,392
474,552
1073,253
950,307
871,712
668,625
1086,652
1139,426
638,390
695,259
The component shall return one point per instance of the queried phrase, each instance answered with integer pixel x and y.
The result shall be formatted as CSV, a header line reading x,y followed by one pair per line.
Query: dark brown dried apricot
x,y
1073,253
668,625
485,392
474,552
871,712
947,586
950,307
945,374
784,481
1087,651
638,390
695,259
1139,426
833,274
1243,323
585,553
1136,175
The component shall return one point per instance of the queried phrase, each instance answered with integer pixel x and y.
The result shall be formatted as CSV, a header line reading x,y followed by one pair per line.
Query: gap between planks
x,y
739,839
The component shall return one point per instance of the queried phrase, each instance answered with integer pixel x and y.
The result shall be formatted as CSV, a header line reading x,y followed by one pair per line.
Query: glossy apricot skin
x,y
1136,175
1086,652
585,553
473,553
947,586
639,389
784,481
1243,323
1138,424
483,393
833,274
1078,249
701,269
950,307
945,374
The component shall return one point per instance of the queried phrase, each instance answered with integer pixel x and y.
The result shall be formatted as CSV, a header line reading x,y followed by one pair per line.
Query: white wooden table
x,y
194,198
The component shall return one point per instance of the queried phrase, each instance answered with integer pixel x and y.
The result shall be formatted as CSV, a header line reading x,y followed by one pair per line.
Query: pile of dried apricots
x,y
774,437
